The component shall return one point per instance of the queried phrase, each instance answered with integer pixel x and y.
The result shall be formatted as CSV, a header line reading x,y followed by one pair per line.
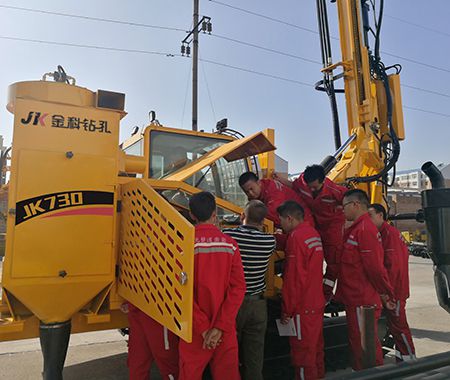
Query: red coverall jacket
x,y
219,288
219,283
396,258
303,300
329,216
362,276
326,207
274,193
302,276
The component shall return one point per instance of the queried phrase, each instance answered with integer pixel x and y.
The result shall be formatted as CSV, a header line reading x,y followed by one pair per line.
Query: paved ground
x,y
102,355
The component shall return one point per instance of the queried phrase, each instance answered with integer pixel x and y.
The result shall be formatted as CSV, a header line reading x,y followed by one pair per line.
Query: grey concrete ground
x,y
102,355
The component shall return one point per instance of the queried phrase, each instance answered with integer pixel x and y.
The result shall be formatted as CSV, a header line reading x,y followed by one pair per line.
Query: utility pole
x,y
195,68
203,25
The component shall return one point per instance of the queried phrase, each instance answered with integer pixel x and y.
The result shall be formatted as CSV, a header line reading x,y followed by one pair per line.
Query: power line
x,y
425,90
266,49
223,37
418,62
92,18
209,93
186,95
90,46
313,61
418,25
265,17
155,53
257,73
332,37
210,62
178,55
427,111
305,84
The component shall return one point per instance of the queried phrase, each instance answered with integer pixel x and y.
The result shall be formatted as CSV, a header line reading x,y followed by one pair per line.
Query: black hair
x,y
379,209
247,176
358,195
313,173
255,211
202,205
291,208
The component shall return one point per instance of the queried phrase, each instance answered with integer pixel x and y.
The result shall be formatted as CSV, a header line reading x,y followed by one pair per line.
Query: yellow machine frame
x,y
57,269
365,101
125,240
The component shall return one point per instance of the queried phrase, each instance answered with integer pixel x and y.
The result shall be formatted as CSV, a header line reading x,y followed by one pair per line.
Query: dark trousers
x,y
251,323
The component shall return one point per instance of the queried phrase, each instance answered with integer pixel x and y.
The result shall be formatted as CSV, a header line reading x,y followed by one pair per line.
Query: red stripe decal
x,y
101,211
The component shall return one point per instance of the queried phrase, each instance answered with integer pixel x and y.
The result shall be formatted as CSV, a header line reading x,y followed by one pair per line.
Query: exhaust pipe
x,y
436,208
434,174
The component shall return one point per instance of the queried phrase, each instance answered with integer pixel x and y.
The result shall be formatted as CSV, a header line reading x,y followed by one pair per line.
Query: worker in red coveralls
x,y
149,341
219,288
302,295
362,279
272,193
396,258
324,199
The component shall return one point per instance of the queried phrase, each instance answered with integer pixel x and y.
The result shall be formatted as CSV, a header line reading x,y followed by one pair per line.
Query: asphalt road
x,y
102,355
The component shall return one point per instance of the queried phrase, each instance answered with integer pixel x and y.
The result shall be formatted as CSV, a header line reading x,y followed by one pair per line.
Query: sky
x,y
416,31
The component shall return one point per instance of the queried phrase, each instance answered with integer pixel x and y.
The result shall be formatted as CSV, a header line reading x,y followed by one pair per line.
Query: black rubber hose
x,y
335,116
328,85
54,339
395,142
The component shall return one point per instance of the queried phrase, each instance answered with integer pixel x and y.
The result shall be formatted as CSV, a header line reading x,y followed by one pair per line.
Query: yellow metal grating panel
x,y
156,258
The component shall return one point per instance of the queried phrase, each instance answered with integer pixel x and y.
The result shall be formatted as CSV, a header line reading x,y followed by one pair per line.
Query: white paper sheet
x,y
288,329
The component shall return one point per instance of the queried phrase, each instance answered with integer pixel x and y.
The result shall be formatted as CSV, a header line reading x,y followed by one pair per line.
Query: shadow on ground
x,y
108,368
430,334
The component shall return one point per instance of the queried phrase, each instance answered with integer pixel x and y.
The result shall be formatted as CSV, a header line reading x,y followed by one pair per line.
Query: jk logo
x,y
35,118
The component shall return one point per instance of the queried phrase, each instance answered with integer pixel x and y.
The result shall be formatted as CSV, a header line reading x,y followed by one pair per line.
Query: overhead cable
x,y
332,37
171,55
91,46
101,19
418,25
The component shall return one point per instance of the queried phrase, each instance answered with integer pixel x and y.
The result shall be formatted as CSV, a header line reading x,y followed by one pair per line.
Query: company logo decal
x,y
70,122
65,203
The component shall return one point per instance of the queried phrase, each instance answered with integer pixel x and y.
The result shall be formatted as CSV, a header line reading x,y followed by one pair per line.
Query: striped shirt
x,y
256,248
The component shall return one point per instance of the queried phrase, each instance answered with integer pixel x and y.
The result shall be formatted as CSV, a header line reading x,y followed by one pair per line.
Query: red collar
x,y
364,217
206,227
384,227
263,189
301,226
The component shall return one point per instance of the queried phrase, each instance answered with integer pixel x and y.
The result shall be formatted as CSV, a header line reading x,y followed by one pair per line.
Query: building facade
x,y
405,201
415,179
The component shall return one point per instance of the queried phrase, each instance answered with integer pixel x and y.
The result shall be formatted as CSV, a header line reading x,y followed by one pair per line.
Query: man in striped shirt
x,y
256,247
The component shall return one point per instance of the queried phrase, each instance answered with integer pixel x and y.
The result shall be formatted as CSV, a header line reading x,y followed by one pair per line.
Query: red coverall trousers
x,y
223,361
332,248
307,347
398,326
150,341
354,327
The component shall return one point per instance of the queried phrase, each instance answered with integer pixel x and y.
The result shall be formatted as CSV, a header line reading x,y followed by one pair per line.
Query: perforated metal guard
x,y
156,258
